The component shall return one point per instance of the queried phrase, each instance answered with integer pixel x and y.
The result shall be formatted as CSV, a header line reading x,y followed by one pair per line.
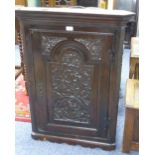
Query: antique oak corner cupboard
x,y
73,59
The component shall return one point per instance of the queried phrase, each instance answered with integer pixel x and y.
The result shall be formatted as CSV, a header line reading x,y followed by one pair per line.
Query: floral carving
x,y
49,42
94,46
71,92
71,77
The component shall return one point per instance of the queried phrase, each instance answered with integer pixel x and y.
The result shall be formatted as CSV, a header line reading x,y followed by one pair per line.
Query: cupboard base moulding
x,y
73,141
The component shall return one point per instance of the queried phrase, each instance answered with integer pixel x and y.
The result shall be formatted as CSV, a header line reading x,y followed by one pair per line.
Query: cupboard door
x,y
72,78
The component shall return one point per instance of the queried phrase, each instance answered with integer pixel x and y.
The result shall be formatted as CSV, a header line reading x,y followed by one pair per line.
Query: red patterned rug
x,y
22,108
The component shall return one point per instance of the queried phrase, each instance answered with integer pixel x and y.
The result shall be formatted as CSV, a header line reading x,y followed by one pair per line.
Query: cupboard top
x,y
89,15
86,10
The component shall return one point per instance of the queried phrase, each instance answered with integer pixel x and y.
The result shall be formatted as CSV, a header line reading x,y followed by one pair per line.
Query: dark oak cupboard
x,y
73,61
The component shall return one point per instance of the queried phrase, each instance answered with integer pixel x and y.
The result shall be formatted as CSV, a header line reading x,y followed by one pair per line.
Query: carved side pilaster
x,y
23,65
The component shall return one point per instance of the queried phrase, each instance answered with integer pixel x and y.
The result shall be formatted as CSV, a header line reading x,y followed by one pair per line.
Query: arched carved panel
x,y
71,81
70,52
94,46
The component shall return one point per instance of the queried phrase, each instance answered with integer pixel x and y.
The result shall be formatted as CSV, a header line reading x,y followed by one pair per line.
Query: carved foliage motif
x,y
71,83
49,42
71,92
71,77
94,46
71,58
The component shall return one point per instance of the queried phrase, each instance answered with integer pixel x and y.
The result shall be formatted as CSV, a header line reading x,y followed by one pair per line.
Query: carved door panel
x,y
72,72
